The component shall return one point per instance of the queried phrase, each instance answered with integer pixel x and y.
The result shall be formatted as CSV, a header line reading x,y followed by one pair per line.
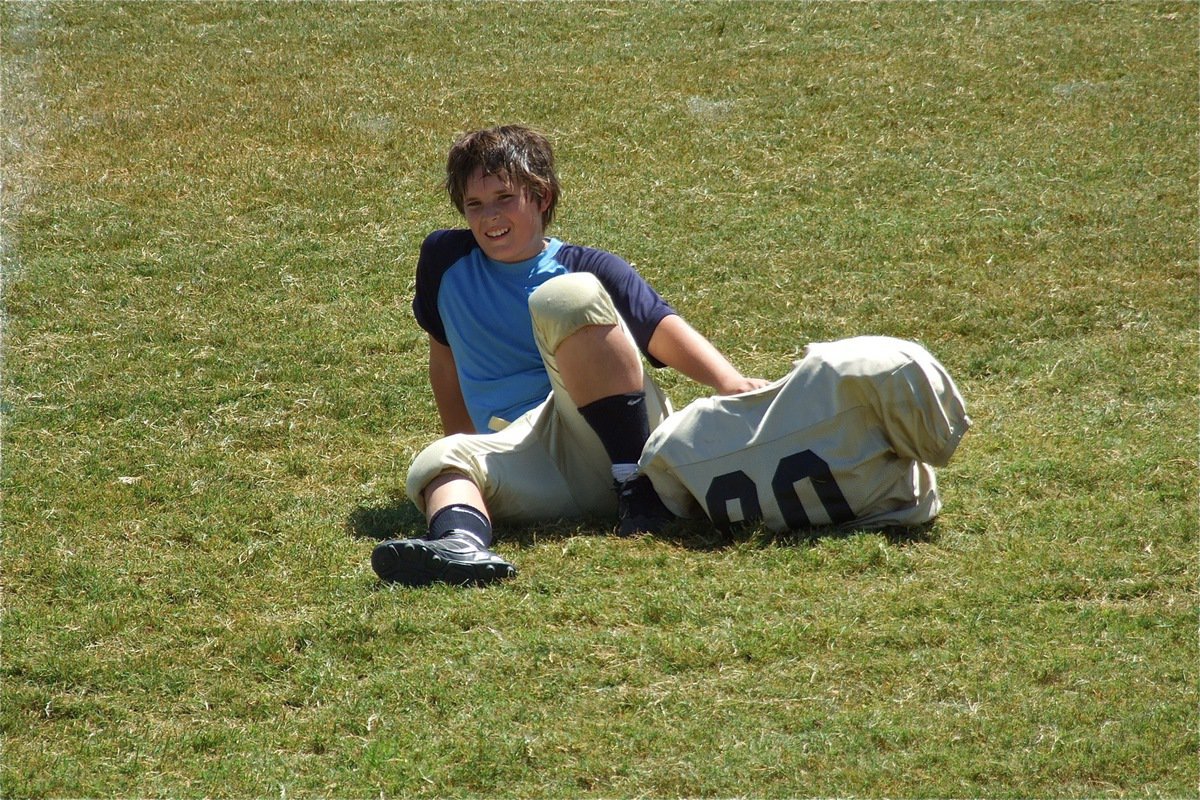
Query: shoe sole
x,y
410,564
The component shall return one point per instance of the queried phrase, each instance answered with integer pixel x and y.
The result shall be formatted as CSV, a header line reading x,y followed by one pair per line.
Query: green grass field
x,y
213,386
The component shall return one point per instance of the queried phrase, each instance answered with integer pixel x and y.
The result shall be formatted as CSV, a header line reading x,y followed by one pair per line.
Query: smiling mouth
x,y
497,234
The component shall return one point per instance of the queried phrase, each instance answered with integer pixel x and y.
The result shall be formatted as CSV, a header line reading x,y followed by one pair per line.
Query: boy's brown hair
x,y
516,154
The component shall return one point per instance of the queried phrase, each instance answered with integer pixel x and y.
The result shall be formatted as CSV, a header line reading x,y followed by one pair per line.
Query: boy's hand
x,y
742,384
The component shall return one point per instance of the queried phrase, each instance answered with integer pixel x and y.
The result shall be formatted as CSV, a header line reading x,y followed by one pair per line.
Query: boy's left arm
x,y
677,344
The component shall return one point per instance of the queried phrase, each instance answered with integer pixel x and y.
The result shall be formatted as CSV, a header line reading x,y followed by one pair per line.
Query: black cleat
x,y
454,560
639,508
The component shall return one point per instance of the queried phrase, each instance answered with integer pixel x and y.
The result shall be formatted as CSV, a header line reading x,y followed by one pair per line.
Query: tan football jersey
x,y
849,437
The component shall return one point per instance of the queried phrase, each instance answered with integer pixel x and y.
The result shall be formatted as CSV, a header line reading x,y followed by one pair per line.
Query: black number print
x,y
732,486
791,470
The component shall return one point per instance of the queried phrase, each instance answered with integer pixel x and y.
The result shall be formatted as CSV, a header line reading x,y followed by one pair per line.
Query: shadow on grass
x,y
699,534
398,519
896,535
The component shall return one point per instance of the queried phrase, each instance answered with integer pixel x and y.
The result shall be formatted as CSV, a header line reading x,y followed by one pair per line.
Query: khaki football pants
x,y
548,463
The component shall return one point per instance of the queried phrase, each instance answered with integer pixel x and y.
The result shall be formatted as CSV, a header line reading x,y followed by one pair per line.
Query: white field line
x,y
23,131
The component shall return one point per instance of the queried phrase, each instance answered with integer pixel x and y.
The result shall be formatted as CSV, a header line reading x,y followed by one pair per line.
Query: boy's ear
x,y
544,202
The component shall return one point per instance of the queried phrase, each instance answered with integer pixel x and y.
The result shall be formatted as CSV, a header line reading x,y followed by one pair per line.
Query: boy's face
x,y
506,220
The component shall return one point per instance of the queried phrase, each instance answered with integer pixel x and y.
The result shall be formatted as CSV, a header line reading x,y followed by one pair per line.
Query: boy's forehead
x,y
481,182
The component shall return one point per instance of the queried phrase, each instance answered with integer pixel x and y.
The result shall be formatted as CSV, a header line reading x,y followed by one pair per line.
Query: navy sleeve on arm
x,y
439,251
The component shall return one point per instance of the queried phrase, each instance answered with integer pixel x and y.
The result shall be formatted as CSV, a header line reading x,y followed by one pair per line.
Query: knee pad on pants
x,y
444,455
566,303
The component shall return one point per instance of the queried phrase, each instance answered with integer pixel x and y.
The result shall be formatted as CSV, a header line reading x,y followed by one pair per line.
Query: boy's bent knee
x,y
566,303
445,456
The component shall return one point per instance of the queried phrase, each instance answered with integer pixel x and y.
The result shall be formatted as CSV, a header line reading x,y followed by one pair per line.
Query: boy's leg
x,y
516,473
597,361
602,373
462,482
594,362
455,550
452,488
456,547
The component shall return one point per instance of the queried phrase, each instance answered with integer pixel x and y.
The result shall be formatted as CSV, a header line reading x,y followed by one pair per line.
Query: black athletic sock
x,y
622,423
459,518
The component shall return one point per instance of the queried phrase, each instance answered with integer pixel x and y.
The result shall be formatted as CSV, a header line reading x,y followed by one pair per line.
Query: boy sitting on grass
x,y
535,363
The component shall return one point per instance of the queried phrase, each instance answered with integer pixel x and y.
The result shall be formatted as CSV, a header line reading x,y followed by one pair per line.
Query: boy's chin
x,y
506,251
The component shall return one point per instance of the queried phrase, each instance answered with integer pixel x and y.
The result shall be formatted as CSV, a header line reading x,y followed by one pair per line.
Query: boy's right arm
x,y
447,392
